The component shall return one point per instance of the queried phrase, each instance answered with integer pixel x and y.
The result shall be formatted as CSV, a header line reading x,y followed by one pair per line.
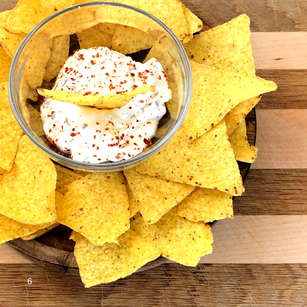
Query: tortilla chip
x,y
194,24
35,121
96,206
133,205
9,42
10,131
206,205
240,145
108,28
94,37
225,47
208,162
10,229
129,40
64,178
97,101
5,65
82,173
107,263
238,113
26,15
58,56
56,5
40,232
178,239
215,93
33,175
170,13
154,196
36,64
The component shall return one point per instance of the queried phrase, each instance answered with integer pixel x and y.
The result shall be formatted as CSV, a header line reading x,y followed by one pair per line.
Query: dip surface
x,y
91,135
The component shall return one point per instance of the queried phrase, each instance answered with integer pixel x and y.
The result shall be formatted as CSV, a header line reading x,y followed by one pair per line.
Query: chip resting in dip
x,y
92,134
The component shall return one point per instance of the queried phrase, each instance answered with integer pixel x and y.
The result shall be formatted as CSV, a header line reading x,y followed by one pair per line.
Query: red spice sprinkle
x,y
131,137
108,177
135,144
117,157
192,56
97,148
95,156
147,141
73,79
93,62
99,131
73,134
107,129
94,136
93,145
87,93
50,130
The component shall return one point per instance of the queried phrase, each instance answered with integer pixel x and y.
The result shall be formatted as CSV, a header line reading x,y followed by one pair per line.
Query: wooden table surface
x,y
260,257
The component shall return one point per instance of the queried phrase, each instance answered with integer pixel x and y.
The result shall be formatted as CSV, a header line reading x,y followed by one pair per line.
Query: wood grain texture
x,y
291,92
168,285
281,139
273,192
259,239
275,50
266,15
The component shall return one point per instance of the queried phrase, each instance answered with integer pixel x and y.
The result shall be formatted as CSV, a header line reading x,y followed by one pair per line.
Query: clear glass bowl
x,y
27,72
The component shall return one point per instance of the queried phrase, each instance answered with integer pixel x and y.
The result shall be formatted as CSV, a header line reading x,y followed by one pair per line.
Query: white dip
x,y
91,135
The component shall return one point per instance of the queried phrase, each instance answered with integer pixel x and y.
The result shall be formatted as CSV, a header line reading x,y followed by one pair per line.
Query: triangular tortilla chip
x,y
240,145
155,196
129,40
27,192
5,65
194,24
225,47
133,205
58,56
178,239
64,178
56,5
208,162
97,101
238,113
206,205
10,131
35,121
215,93
96,206
10,229
107,263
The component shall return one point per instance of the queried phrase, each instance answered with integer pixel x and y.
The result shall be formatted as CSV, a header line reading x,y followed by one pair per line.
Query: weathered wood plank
x,y
291,92
281,139
273,192
266,15
168,285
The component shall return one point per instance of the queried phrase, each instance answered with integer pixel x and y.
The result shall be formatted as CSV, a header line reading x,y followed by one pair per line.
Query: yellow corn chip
x,y
170,12
82,173
129,40
64,178
243,151
206,205
108,28
5,65
10,131
10,229
238,113
107,263
35,121
26,15
94,37
27,192
208,162
35,65
178,239
194,24
59,54
215,93
9,42
40,232
97,101
96,206
225,47
56,5
155,196
133,205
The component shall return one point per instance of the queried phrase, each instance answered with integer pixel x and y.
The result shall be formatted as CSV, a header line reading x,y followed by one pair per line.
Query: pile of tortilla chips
x,y
123,220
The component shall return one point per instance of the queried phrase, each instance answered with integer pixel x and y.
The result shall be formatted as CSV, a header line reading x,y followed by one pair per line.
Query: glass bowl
x,y
28,69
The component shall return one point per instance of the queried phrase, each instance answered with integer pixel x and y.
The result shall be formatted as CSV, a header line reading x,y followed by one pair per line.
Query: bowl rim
x,y
112,166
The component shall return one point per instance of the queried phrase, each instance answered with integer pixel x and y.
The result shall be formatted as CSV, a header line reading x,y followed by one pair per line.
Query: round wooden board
x,y
55,247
